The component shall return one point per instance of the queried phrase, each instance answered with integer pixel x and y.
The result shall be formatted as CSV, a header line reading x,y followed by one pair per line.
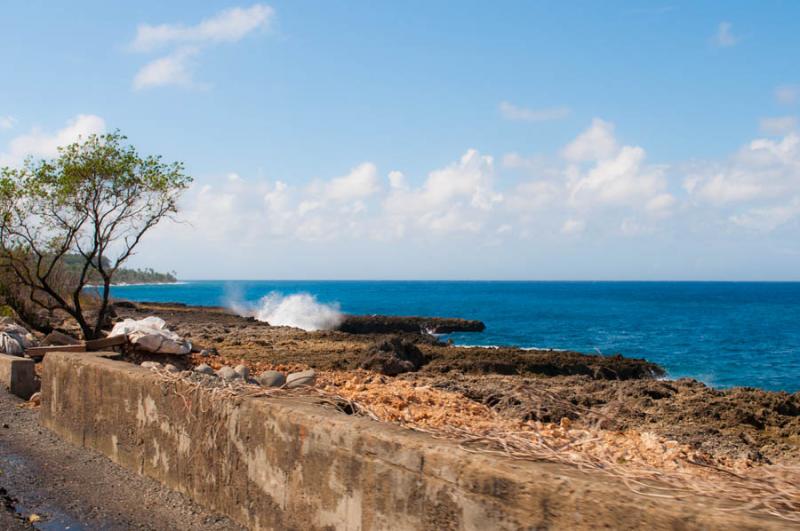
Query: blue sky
x,y
435,140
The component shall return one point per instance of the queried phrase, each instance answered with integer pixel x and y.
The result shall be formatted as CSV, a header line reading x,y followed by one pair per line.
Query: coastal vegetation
x,y
74,263
73,221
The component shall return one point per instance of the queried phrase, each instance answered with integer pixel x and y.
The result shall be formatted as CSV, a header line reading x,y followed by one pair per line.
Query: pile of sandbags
x,y
14,339
151,335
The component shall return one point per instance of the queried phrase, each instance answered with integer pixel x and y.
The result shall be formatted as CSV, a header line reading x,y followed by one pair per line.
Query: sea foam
x,y
299,310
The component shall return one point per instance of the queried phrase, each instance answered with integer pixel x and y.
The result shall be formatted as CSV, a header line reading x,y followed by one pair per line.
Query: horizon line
x,y
777,281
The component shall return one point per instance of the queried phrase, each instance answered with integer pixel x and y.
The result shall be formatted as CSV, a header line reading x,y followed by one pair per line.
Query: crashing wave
x,y
300,310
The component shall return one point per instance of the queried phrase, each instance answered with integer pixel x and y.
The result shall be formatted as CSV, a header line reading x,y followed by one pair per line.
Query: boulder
x,y
242,371
204,369
393,356
56,338
301,379
226,373
392,324
271,379
124,304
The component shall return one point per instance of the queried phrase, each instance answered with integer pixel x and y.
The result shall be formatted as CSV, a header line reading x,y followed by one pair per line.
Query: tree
x,y
96,200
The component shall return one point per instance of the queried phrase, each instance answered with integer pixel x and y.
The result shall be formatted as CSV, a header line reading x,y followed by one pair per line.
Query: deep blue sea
x,y
723,333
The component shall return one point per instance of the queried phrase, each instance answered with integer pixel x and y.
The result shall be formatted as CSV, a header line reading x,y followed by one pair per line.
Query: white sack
x,y
10,345
14,339
151,334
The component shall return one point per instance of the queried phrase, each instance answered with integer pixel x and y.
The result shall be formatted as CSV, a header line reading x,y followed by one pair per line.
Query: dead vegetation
x,y
650,465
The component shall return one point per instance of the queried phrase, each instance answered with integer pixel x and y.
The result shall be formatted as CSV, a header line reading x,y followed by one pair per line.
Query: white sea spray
x,y
299,310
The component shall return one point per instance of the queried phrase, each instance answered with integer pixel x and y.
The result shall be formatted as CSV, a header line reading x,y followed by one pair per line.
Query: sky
x,y
434,140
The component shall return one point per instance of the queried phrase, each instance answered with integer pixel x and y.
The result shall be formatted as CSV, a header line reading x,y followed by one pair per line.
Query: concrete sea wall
x,y
290,464
17,375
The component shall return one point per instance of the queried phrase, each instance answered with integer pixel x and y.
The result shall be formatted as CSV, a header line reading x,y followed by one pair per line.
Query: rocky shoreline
x,y
389,324
610,392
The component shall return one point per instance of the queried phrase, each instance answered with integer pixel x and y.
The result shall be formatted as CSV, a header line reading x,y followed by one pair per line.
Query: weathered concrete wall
x,y
17,375
287,464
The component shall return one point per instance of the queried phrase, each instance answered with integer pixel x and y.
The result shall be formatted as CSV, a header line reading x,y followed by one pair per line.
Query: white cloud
x,y
38,143
597,142
230,25
622,179
764,169
397,180
515,160
453,199
510,111
618,176
362,181
173,69
778,125
787,94
724,36
536,165
660,204
534,195
7,122
766,219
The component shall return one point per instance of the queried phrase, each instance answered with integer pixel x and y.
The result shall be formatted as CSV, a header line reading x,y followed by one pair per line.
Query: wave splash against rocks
x,y
299,310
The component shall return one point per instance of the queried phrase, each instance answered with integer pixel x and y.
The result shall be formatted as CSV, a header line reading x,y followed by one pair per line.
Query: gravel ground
x,y
75,488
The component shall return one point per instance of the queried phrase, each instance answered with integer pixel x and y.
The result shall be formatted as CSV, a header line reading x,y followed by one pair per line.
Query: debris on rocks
x,y
170,368
152,335
301,379
150,365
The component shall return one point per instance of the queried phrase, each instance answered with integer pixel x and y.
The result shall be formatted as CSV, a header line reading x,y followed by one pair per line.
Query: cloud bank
x,y
595,186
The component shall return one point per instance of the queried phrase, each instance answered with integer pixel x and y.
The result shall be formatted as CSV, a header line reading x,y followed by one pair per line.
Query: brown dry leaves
x,y
644,461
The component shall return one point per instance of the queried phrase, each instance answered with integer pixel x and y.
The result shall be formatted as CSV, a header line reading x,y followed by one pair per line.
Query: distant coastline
x,y
142,283
73,263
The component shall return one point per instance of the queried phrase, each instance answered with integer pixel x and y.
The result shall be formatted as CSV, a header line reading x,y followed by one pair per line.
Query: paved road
x,y
75,488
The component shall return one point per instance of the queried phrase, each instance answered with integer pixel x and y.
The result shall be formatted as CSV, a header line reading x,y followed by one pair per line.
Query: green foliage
x,y
76,219
73,263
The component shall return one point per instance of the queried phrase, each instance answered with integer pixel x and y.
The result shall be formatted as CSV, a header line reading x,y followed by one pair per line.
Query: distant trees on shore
x,y
123,275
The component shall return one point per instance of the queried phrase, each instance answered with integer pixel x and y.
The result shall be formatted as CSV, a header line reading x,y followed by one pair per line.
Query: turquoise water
x,y
723,333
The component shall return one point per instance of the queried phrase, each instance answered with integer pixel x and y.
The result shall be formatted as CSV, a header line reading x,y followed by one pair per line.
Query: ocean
x,y
722,333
